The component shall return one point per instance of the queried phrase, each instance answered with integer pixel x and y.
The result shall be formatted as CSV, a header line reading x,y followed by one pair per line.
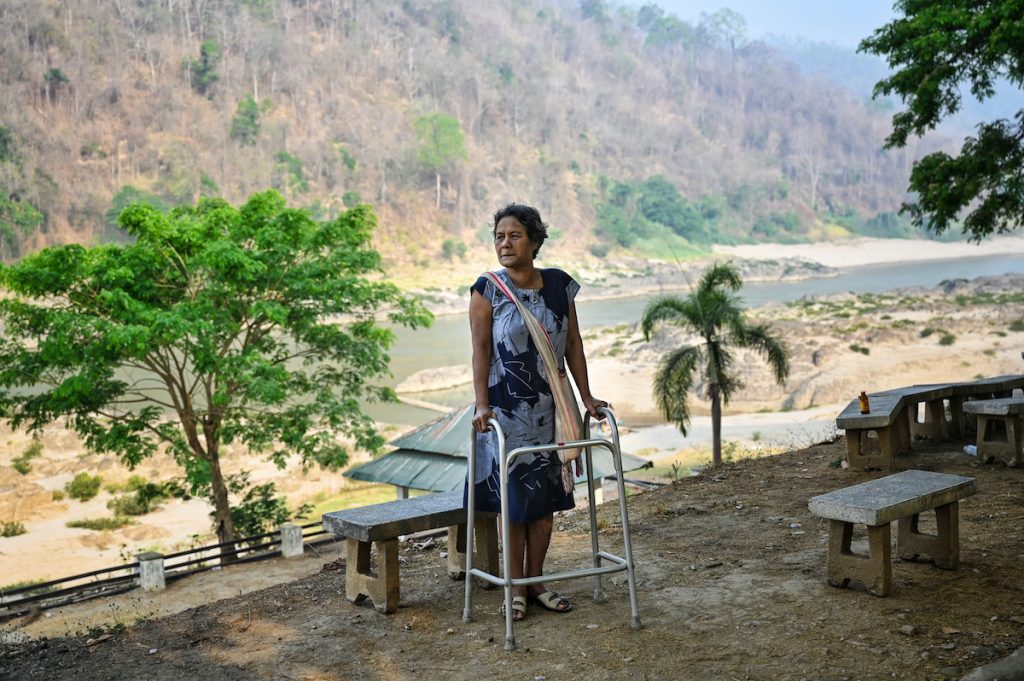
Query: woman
x,y
510,384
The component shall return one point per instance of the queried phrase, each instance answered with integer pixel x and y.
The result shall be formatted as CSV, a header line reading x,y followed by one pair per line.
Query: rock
x,y
1008,669
440,378
981,651
908,630
949,672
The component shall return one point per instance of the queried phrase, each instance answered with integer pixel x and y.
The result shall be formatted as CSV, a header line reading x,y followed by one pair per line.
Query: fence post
x,y
291,540
151,571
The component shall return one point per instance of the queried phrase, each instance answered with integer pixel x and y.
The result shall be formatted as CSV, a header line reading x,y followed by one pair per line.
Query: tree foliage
x,y
936,49
712,312
636,210
204,70
441,140
245,125
254,326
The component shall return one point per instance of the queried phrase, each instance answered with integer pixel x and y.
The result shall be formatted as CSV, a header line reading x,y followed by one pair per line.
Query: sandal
x,y
549,600
518,608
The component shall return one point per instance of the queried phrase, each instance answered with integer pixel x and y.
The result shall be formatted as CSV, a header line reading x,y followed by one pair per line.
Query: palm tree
x,y
714,312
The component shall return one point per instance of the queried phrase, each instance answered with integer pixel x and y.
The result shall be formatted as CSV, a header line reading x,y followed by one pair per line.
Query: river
x,y
446,343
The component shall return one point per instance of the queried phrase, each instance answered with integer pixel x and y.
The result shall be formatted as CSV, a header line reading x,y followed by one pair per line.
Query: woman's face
x,y
511,243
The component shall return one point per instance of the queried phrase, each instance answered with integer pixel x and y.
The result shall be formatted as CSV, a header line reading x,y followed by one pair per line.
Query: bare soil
x,y
731,570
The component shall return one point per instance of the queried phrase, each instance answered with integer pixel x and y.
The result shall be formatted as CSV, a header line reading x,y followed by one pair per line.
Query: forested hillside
x,y
627,126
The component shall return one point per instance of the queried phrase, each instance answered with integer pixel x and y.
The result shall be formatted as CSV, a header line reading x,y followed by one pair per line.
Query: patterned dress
x,y
519,395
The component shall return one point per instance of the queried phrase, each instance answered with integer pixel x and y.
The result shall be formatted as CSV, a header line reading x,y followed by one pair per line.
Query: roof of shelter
x,y
433,457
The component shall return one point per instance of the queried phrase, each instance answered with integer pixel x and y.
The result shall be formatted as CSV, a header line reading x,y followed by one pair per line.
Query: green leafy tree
x,y
203,71
935,49
254,325
441,143
290,174
712,312
245,125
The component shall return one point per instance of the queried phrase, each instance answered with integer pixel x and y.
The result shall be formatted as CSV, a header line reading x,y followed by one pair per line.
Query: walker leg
x,y
627,544
594,542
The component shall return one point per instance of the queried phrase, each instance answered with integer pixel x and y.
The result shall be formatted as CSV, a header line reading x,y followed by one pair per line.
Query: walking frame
x,y
615,563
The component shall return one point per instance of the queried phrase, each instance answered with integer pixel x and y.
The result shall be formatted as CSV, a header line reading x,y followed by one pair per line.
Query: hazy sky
x,y
844,22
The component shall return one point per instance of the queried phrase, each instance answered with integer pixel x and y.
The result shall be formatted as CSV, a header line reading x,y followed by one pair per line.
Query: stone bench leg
x,y
990,447
888,439
382,588
944,547
485,556
873,570
957,418
934,426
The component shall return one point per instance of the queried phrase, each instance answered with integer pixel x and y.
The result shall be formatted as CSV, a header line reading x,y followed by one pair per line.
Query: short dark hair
x,y
528,217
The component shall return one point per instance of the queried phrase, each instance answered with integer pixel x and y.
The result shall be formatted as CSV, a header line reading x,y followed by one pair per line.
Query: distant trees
x,y
245,125
19,218
441,143
937,48
638,210
203,71
712,313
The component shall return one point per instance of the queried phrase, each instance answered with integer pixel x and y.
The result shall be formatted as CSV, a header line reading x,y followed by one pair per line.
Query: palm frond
x,y
721,275
761,340
673,382
669,309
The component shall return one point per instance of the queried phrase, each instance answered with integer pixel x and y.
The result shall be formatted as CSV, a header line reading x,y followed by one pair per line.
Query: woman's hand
x,y
480,418
592,404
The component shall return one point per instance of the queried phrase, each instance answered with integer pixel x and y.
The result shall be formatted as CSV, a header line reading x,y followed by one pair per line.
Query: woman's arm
x,y
480,320
577,361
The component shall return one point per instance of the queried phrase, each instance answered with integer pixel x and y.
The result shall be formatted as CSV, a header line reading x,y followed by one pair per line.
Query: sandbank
x,y
864,251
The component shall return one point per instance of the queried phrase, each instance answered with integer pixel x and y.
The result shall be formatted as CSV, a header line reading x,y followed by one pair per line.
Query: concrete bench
x,y
999,428
903,497
382,524
873,440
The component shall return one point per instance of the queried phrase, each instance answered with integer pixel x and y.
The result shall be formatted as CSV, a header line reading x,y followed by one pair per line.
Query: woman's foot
x,y
549,600
518,608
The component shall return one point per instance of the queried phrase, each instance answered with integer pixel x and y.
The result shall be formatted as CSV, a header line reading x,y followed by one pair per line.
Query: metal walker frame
x,y
616,563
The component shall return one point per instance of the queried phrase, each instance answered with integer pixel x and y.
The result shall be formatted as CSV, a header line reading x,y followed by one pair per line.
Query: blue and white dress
x,y
519,395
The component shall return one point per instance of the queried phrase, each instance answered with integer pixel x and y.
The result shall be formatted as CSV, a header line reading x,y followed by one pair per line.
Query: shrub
x,y
58,495
99,523
84,487
132,484
1017,325
12,529
21,463
451,249
947,339
146,498
927,331
260,509
28,582
861,349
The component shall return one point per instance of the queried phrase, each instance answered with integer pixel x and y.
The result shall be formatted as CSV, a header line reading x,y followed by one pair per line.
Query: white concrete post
x,y
403,493
291,540
151,571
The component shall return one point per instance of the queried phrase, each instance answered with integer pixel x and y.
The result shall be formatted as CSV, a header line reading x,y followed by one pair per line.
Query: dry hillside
x,y
556,103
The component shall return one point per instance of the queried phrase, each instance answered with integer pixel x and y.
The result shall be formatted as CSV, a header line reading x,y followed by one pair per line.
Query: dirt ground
x,y
731,572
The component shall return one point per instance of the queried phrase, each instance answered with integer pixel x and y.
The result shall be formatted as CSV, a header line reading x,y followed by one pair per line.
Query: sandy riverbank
x,y
861,252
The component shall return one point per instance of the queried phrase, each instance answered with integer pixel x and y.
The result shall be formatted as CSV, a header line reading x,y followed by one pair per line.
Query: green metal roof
x,y
433,457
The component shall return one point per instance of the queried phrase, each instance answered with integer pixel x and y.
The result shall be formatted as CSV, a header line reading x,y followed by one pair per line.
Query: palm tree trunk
x,y
716,426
